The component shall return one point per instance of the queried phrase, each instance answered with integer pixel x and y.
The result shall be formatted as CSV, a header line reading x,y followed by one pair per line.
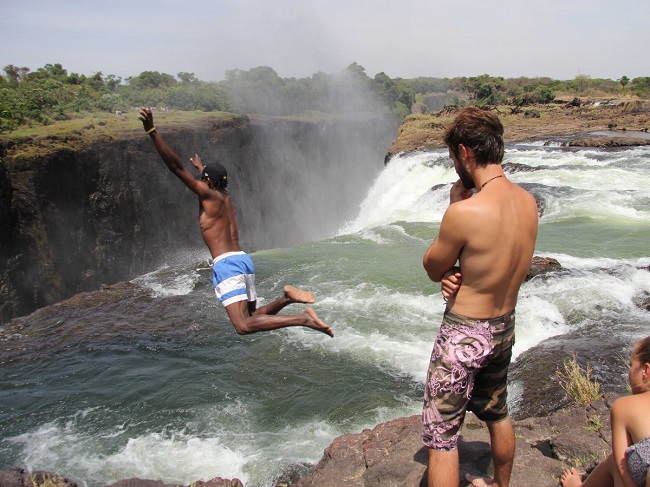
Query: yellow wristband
x,y
151,130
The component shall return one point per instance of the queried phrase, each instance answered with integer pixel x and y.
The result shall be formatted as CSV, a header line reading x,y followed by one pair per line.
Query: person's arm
x,y
171,160
197,163
450,283
445,250
620,438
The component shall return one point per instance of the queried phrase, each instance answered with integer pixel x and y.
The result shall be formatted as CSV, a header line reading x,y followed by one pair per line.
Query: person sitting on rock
x,y
627,465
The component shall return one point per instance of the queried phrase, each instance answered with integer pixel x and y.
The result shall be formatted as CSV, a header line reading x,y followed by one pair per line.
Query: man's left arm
x,y
170,158
197,163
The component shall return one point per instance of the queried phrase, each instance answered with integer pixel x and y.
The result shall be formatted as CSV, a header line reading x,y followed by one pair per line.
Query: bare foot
x,y
571,478
296,295
314,322
478,481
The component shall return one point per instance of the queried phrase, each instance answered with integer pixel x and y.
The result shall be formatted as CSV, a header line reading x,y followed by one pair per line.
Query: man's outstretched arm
x,y
171,160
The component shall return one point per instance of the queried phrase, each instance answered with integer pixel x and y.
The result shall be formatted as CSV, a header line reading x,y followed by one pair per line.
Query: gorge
x,y
76,218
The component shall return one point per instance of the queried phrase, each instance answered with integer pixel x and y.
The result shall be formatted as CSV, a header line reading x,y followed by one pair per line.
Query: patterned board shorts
x,y
468,371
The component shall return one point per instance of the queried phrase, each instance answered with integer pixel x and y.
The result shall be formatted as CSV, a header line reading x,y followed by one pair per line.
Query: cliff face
x,y
74,219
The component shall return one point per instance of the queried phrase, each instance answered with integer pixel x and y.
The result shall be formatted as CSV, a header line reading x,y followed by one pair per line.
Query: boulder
x,y
609,142
19,477
541,266
392,453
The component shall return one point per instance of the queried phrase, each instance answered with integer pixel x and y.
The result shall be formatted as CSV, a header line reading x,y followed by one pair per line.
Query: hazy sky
x,y
403,38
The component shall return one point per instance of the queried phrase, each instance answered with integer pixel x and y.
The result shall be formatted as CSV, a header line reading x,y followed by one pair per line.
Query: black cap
x,y
216,172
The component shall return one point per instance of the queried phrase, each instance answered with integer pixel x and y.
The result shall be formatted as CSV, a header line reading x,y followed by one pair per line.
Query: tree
x,y
55,71
581,82
641,86
152,79
624,80
187,78
385,89
15,74
110,102
112,82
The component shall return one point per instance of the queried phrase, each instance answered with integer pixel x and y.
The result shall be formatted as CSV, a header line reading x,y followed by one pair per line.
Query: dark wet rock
x,y
642,301
541,266
609,142
535,370
514,167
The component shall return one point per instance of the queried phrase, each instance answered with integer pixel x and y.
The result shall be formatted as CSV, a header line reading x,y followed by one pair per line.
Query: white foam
x,y
179,457
167,281
173,457
395,193
593,184
176,458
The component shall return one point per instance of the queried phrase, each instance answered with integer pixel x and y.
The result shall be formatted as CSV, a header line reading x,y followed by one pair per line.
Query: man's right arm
x,y
445,250
440,259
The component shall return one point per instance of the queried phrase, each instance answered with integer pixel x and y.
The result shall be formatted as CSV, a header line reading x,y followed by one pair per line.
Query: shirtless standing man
x,y
492,235
233,271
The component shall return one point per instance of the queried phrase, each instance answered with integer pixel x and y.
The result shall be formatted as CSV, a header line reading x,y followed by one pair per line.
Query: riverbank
x,y
622,117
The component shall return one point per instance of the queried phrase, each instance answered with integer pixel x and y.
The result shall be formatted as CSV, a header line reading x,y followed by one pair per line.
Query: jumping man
x,y
233,271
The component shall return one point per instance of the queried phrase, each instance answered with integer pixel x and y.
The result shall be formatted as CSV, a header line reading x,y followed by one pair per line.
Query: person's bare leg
x,y
291,295
443,468
604,475
502,443
245,324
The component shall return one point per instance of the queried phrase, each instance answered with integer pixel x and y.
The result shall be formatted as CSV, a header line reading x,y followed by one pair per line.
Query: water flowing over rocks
x,y
392,454
551,434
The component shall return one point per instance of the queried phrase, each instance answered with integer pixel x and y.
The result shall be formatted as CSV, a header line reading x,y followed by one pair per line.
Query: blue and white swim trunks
x,y
233,278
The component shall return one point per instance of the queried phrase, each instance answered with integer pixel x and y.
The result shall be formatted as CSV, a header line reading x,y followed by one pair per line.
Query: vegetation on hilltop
x,y
51,93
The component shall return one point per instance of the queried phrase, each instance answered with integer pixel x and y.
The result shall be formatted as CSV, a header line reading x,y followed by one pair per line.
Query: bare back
x,y
492,236
500,230
632,413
